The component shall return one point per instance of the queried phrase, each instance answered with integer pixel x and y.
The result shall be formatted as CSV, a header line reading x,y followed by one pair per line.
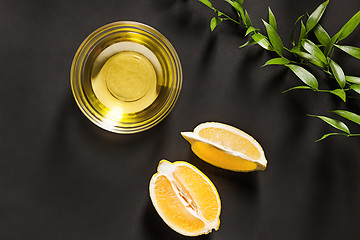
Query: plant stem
x,y
231,19
354,135
319,90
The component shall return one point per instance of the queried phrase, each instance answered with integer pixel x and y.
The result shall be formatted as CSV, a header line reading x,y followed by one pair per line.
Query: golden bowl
x,y
126,77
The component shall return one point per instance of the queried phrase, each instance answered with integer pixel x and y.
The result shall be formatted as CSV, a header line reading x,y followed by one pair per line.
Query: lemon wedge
x,y
185,198
226,147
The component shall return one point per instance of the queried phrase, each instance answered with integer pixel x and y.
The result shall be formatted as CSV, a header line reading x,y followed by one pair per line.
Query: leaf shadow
x,y
251,55
207,54
322,195
246,66
325,186
273,84
180,15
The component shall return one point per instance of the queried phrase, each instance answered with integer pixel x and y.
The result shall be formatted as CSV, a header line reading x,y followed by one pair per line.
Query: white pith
x,y
167,169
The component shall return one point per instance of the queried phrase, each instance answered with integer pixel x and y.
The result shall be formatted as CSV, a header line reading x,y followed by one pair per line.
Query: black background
x,y
61,177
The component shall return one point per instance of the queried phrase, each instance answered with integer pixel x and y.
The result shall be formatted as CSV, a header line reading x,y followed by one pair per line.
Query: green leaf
x,y
247,20
334,123
277,61
250,42
274,39
297,87
251,30
321,35
296,49
238,8
349,27
330,134
348,115
353,79
302,31
330,45
262,41
315,16
353,51
308,57
304,76
340,93
293,29
207,3
240,1
356,88
214,22
236,5
218,13
314,50
272,20
338,73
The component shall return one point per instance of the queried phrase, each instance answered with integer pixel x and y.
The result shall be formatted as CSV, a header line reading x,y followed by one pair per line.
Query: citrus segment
x,y
185,198
226,147
201,192
172,208
230,140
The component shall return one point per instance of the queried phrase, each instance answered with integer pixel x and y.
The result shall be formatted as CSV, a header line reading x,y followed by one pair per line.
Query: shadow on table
x,y
81,171
207,54
247,181
166,4
239,194
180,15
74,136
71,119
334,186
157,229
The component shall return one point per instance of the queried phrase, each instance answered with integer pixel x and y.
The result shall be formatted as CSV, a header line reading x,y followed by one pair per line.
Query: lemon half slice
x,y
226,147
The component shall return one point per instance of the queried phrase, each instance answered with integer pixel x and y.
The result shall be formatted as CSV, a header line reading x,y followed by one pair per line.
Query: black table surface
x,y
62,177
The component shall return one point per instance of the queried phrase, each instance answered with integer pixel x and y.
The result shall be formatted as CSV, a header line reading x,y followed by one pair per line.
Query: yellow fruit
x,y
185,198
226,147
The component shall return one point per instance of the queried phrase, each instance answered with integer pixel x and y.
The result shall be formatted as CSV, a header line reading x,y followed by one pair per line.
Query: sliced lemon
x,y
185,198
226,147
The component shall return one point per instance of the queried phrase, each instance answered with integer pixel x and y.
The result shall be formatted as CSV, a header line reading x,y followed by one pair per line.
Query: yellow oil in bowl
x,y
126,77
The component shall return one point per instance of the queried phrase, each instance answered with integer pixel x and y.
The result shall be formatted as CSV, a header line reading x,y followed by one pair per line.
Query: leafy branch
x,y
303,53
